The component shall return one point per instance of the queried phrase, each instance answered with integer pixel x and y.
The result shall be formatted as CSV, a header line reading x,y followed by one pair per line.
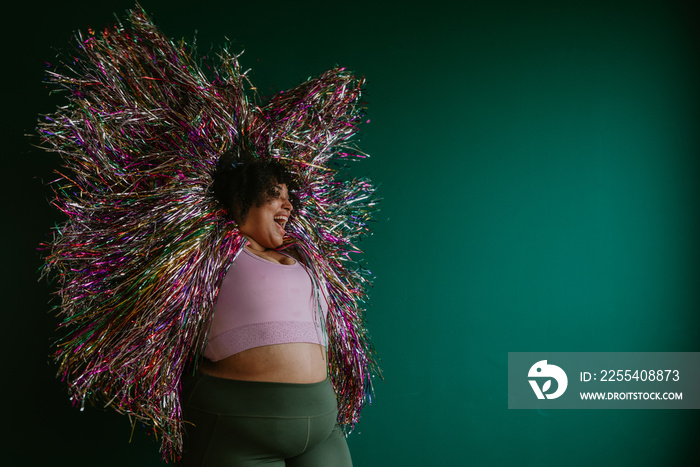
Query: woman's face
x,y
264,224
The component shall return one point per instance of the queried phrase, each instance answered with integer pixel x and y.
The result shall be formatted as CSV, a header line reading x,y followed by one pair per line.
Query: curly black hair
x,y
242,180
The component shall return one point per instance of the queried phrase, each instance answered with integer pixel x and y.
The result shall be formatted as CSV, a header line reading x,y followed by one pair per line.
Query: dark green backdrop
x,y
539,164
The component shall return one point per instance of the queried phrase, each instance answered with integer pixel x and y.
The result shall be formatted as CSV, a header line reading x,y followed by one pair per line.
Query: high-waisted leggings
x,y
232,423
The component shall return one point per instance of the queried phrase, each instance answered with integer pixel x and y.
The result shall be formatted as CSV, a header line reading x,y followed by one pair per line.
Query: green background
x,y
539,167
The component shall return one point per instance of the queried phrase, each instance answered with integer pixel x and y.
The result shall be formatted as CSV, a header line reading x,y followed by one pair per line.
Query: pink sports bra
x,y
263,303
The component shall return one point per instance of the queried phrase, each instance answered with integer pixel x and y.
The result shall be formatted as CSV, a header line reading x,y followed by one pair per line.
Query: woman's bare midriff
x,y
298,362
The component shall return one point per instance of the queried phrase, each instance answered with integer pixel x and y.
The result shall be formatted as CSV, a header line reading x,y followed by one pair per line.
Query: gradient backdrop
x,y
539,163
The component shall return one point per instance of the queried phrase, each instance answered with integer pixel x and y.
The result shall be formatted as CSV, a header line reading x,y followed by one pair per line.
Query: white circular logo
x,y
543,370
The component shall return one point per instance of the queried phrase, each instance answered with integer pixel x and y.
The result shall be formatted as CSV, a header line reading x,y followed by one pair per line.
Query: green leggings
x,y
232,423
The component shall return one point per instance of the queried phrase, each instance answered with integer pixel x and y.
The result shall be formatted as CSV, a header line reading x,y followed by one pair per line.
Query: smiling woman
x,y
196,308
264,368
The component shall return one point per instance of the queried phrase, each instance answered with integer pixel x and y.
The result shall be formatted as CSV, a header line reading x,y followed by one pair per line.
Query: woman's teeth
x,y
280,220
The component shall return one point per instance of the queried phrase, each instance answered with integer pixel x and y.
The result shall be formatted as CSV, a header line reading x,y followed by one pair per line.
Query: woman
x,y
141,257
262,394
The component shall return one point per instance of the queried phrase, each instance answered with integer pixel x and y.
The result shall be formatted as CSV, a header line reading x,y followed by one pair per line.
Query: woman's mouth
x,y
281,221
